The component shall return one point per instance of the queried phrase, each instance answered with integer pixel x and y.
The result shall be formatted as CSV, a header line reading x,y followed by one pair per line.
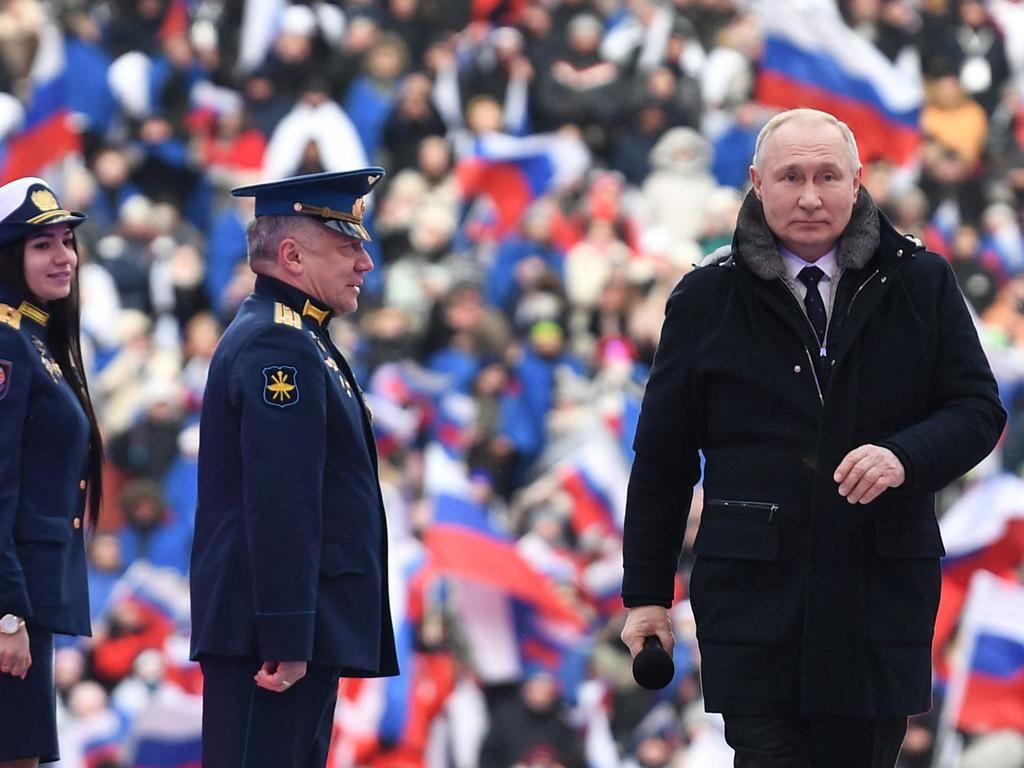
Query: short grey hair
x,y
265,233
803,113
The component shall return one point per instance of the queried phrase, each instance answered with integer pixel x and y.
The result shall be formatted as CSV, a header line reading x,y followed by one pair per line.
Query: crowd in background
x,y
503,357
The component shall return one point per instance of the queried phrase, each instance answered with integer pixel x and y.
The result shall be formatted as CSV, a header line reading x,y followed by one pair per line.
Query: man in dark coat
x,y
289,565
828,370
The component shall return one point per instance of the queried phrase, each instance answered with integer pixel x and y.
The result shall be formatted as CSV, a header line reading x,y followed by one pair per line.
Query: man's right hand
x,y
15,658
646,620
279,676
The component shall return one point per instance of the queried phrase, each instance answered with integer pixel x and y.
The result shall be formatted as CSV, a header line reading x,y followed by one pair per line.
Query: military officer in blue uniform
x,y
51,460
289,564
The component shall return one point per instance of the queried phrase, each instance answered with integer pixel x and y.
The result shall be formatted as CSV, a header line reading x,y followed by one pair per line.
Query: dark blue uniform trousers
x,y
819,741
245,726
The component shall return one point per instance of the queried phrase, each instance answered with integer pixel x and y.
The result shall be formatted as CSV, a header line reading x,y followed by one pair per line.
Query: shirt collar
x,y
295,298
794,263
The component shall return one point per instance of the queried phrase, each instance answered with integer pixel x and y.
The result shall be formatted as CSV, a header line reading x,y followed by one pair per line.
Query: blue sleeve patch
x,y
5,377
280,385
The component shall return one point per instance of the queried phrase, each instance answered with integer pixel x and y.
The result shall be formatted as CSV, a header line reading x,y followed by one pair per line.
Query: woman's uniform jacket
x,y
805,603
44,439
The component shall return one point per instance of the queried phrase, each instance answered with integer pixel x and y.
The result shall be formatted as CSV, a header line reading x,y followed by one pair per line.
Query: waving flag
x,y
99,736
812,59
167,732
47,134
987,689
983,530
512,171
595,477
461,541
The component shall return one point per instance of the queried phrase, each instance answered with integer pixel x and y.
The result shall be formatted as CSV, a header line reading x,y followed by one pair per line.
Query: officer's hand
x,y
279,676
867,471
15,658
647,620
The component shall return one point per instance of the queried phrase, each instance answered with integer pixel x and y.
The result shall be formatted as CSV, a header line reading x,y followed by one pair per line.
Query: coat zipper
x,y
814,373
822,342
822,350
763,506
856,293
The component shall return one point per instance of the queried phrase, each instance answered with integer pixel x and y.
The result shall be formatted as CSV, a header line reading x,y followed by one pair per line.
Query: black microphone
x,y
653,668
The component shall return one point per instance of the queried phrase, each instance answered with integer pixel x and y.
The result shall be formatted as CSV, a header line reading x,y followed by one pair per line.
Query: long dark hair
x,y
65,344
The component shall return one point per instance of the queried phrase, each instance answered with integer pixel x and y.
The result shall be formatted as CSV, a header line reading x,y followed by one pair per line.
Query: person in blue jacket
x,y
289,561
50,465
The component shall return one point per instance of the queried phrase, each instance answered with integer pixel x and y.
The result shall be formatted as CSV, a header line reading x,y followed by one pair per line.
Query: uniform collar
x,y
13,297
299,300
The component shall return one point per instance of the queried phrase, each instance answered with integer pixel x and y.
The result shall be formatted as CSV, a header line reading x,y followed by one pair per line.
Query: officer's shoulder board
x,y
285,315
10,316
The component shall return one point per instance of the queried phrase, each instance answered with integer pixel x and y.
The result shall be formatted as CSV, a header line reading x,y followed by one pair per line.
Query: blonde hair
x,y
813,115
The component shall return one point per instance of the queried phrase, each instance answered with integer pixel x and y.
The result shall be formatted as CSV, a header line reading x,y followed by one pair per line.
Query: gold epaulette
x,y
285,315
10,316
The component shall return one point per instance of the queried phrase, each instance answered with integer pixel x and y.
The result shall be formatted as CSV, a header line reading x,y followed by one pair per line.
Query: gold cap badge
x,y
44,200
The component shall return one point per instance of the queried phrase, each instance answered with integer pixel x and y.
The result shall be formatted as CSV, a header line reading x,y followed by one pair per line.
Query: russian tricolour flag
x,y
987,688
462,542
512,171
813,59
47,133
982,531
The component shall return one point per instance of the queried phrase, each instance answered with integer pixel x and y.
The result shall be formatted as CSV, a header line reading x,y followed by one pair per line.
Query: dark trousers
x,y
819,741
245,726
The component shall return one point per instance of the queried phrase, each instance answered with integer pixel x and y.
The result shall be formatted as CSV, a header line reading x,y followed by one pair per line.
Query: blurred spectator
x,y
497,67
373,93
734,146
523,257
580,88
532,729
677,189
315,136
977,282
20,24
147,448
127,629
106,564
229,148
149,534
972,47
412,119
112,167
953,119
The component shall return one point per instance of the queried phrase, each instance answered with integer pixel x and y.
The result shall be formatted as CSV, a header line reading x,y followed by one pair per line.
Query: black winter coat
x,y
805,603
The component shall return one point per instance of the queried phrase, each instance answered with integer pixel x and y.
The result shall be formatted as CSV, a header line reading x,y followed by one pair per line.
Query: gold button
x,y
81,485
77,523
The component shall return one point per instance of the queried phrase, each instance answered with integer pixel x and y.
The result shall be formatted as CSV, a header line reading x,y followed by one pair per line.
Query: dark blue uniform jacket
x,y
44,439
289,560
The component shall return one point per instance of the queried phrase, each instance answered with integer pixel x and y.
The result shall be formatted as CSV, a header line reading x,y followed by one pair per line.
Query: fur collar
x,y
756,246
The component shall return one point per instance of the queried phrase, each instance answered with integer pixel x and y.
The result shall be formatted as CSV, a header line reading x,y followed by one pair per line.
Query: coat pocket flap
x,y
341,557
42,528
737,530
908,536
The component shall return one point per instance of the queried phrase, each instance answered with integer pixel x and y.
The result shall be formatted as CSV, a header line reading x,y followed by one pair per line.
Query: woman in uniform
x,y
50,463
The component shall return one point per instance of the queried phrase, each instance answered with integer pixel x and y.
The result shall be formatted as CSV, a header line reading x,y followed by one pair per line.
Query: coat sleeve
x,y
279,380
667,463
16,368
966,417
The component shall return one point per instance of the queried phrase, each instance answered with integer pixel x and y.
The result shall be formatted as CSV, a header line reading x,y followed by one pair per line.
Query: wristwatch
x,y
10,624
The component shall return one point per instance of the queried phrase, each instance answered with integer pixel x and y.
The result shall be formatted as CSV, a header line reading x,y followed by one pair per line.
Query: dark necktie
x,y
810,277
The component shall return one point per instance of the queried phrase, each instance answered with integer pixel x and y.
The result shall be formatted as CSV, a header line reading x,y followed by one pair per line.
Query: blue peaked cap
x,y
334,197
